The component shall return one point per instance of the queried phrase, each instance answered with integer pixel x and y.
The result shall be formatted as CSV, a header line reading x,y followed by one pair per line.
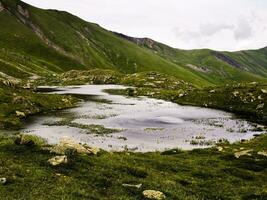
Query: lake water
x,y
143,124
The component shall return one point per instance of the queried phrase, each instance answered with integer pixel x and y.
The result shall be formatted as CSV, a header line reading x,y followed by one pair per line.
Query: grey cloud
x,y
243,30
203,31
210,29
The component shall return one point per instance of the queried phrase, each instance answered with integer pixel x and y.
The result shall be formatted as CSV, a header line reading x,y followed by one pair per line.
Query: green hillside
x,y
43,41
215,67
46,42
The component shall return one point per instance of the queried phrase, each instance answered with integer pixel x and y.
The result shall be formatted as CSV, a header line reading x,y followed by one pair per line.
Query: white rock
x,y
138,186
262,153
153,194
2,181
242,153
57,160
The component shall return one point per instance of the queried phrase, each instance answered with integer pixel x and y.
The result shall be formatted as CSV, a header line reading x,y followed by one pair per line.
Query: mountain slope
x,y
212,65
41,42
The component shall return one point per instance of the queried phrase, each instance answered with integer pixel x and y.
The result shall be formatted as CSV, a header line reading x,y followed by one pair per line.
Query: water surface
x,y
144,124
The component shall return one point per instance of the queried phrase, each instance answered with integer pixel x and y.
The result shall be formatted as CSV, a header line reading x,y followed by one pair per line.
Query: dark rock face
x,y
147,42
227,59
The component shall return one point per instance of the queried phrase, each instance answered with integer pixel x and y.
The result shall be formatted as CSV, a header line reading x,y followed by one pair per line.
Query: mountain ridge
x,y
43,42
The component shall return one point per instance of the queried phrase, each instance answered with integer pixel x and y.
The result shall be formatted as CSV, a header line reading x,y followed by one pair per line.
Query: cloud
x,y
186,24
243,30
209,29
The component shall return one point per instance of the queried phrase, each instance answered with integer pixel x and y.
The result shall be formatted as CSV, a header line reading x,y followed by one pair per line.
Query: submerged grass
x,y
90,129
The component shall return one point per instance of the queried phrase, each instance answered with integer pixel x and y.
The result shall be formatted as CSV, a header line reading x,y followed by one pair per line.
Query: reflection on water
x,y
146,124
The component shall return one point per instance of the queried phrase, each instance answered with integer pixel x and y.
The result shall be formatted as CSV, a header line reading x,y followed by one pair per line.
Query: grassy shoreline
x,y
198,174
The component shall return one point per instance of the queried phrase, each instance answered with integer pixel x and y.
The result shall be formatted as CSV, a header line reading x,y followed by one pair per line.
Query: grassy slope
x,y
88,44
217,71
253,60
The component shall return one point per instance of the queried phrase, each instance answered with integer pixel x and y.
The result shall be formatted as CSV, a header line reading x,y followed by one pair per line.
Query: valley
x,y
88,113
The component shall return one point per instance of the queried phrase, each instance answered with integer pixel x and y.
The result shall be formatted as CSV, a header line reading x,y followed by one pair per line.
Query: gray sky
x,y
186,24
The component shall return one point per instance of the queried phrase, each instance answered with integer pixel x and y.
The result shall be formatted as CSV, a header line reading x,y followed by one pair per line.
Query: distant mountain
x,y
37,42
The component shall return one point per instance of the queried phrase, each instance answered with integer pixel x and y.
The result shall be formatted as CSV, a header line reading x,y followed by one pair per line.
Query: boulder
x,y
153,194
57,160
66,144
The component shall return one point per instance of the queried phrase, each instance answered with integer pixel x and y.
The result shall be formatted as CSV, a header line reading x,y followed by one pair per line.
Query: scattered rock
x,y
242,153
260,106
262,153
138,186
20,114
220,149
153,194
57,160
235,93
212,91
264,91
3,181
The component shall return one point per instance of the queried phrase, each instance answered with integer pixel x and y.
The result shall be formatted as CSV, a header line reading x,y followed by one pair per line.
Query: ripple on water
x,y
146,124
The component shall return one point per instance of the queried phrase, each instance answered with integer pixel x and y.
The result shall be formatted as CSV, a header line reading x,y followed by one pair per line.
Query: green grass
x,y
17,103
199,174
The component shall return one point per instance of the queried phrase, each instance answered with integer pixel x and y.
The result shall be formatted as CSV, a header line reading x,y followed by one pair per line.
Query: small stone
x,y
220,149
20,114
235,93
138,186
153,194
3,181
57,160
242,153
260,106
212,91
264,91
262,153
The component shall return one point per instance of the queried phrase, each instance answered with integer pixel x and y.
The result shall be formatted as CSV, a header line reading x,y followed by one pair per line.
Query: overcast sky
x,y
186,24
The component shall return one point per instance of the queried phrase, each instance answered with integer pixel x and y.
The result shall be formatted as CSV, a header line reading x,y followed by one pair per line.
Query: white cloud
x,y
216,24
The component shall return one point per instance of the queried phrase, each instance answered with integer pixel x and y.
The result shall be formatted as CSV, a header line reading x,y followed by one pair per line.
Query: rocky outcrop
x,y
227,60
147,42
67,145
23,11
1,7
198,68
